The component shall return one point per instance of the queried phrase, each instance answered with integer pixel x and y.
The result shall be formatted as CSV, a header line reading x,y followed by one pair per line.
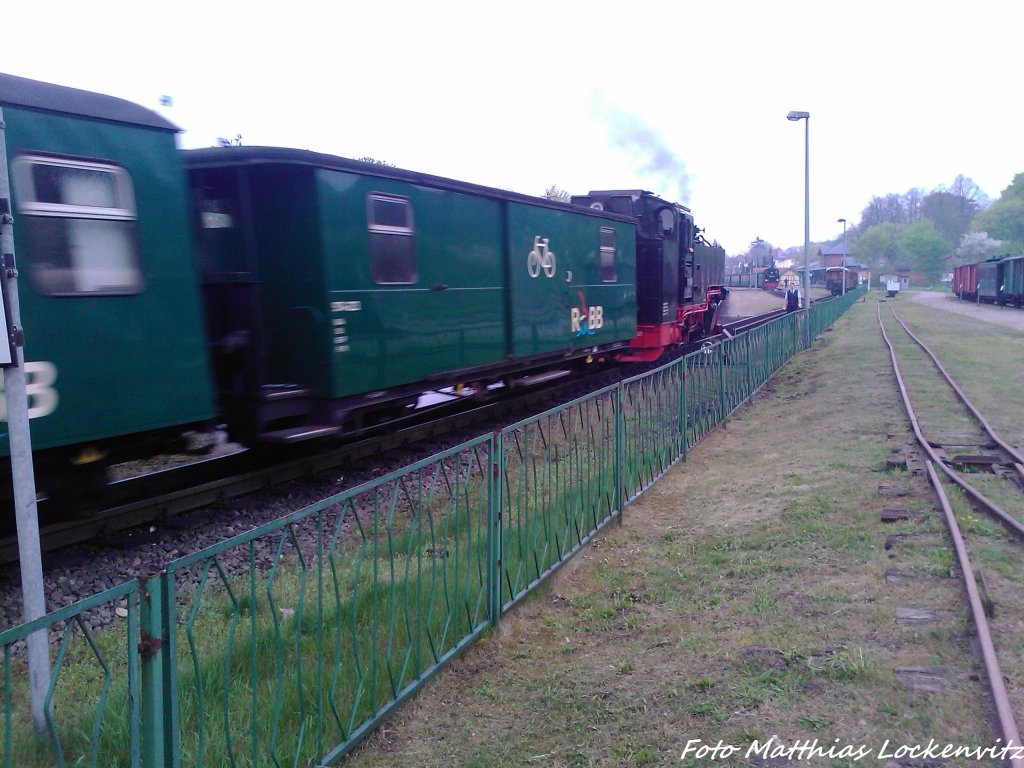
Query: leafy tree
x,y
945,211
1004,219
759,254
952,210
554,192
926,248
375,161
1016,188
879,245
977,246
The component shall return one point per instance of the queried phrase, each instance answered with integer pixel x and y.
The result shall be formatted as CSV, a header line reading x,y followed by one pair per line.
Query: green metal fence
x,y
93,712
343,610
333,615
558,484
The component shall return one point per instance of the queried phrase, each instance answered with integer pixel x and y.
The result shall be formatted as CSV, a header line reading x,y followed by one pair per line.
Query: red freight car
x,y
965,282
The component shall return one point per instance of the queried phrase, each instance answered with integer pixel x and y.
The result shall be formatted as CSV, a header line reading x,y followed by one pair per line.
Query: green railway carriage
x,y
335,288
1013,280
114,340
989,281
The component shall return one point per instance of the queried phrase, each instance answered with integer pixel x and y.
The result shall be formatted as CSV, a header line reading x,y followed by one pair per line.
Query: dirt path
x,y
744,302
1009,316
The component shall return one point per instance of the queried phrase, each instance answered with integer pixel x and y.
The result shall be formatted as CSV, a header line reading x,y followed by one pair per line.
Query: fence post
x,y
721,382
494,502
683,420
746,346
158,716
620,493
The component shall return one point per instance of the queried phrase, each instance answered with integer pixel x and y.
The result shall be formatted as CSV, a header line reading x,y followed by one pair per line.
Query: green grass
x,y
288,661
763,609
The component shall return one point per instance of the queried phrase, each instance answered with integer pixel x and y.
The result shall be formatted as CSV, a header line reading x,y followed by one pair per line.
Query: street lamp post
x,y
843,222
806,117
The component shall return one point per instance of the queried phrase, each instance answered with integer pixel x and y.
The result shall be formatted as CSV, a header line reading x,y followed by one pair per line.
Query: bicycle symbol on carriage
x,y
540,258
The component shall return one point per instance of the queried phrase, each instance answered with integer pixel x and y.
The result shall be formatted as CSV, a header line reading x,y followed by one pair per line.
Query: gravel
x,y
1009,316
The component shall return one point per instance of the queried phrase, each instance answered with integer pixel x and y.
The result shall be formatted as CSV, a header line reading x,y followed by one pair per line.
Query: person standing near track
x,y
792,299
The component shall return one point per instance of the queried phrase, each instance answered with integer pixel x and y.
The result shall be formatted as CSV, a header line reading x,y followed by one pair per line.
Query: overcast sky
x,y
685,99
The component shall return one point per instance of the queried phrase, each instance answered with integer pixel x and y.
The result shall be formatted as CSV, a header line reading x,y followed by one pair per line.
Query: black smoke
x,y
657,166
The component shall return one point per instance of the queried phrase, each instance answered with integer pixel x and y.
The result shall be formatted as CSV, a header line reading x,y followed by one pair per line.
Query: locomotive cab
x,y
679,276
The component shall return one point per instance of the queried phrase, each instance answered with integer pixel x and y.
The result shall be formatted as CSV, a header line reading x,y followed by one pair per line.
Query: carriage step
x,y
273,392
540,378
298,434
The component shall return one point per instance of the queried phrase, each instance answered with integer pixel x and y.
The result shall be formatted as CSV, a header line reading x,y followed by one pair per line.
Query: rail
x,y
345,608
1009,450
1004,713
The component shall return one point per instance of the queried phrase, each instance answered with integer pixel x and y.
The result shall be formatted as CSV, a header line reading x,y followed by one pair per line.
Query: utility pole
x,y
12,359
843,222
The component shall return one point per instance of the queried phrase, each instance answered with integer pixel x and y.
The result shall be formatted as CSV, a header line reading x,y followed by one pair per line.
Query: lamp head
x,y
794,116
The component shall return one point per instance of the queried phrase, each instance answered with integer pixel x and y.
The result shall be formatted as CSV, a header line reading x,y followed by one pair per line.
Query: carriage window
x,y
392,245
80,223
608,273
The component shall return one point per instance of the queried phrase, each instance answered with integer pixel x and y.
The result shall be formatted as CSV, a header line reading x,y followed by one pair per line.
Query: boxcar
x,y
115,347
337,291
965,282
835,277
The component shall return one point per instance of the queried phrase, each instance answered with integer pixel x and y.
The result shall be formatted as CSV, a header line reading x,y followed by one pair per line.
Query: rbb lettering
x,y
594,318
40,376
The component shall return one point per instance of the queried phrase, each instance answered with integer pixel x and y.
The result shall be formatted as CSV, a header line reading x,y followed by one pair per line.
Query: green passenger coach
x,y
337,291
114,339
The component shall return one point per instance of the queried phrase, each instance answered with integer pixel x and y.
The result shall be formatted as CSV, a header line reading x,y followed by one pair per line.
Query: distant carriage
x,y
1013,280
995,281
965,282
840,279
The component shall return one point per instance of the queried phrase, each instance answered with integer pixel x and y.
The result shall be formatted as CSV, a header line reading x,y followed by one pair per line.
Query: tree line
x,y
931,232
927,232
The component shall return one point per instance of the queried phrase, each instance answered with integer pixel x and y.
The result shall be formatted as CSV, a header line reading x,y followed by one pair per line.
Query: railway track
x,y
944,421
169,497
957,437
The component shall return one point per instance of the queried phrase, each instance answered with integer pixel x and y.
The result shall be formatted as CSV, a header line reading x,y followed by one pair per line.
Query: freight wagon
x,y
995,281
838,280
965,282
